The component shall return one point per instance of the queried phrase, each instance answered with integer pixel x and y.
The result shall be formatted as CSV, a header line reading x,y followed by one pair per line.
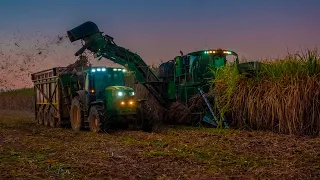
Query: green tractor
x,y
103,101
87,97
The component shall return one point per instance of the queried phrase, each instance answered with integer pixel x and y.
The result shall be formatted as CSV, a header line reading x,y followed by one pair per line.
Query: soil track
x,y
29,151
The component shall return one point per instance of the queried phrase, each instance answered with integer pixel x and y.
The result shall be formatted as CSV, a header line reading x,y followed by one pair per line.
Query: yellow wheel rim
x,y
94,123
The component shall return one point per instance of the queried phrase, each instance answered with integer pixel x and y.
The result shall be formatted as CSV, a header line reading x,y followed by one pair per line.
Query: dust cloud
x,y
20,56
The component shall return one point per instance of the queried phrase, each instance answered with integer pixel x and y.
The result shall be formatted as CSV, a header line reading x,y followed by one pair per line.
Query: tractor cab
x,y
106,84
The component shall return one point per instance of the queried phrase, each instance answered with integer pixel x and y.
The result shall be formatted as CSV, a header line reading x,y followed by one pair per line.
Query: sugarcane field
x,y
149,92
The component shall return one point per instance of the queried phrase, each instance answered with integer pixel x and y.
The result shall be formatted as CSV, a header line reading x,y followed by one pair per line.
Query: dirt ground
x,y
30,151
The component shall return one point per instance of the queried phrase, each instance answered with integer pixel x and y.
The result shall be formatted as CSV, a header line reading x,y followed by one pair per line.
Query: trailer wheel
x,y
76,114
40,115
52,117
96,119
46,116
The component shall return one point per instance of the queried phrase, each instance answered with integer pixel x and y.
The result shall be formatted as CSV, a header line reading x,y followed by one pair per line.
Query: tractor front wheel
x,y
144,117
97,119
76,114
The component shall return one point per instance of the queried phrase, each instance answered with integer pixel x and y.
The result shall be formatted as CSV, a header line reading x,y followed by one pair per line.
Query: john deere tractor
x,y
86,97
104,101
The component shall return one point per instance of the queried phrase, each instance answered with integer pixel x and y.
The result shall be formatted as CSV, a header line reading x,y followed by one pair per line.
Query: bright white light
x,y
124,70
132,94
120,93
98,69
114,69
227,52
103,69
119,69
93,70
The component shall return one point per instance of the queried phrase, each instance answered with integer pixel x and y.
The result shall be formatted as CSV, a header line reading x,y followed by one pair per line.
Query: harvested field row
x,y
30,151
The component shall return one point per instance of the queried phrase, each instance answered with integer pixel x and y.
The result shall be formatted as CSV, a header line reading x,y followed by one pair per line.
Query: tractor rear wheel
x,y
97,119
76,114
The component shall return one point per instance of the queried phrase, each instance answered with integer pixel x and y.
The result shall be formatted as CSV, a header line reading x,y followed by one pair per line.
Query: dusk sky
x,y
158,30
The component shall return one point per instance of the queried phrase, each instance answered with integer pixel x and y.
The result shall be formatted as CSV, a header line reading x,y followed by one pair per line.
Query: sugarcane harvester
x,y
178,79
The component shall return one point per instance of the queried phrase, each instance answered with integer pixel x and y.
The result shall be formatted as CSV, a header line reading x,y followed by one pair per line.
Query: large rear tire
x,y
76,114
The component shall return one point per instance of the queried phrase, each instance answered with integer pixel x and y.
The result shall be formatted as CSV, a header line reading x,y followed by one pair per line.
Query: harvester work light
x,y
93,70
120,93
114,69
103,69
210,52
98,69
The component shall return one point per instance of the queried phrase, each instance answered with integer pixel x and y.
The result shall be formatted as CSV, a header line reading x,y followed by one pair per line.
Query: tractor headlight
x,y
131,103
131,93
120,93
